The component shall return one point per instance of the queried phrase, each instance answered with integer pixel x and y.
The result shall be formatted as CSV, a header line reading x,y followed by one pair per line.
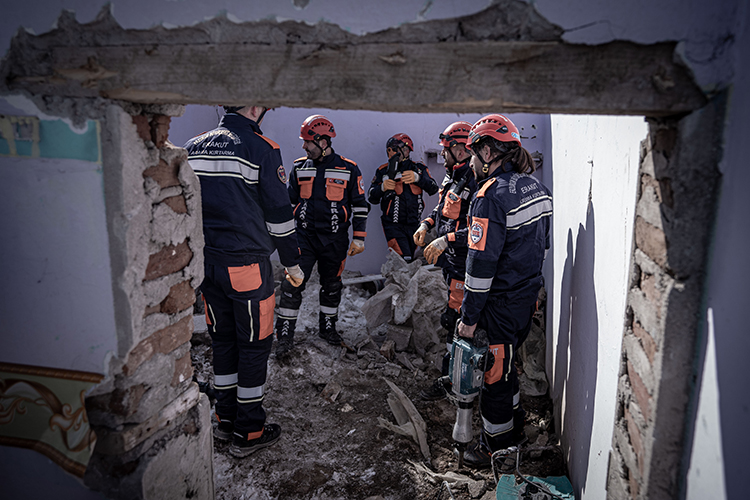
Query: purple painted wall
x,y
361,137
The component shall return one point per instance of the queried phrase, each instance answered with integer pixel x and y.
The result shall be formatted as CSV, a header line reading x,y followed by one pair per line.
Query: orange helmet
x,y
456,133
316,126
496,126
400,140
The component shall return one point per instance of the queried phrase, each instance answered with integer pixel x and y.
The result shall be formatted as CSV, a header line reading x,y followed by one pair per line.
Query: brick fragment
x,y
651,240
164,174
163,341
636,441
639,389
142,127
647,341
183,370
177,203
160,129
181,296
168,260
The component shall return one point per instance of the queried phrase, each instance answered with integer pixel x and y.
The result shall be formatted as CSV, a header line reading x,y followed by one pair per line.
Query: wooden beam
x,y
300,66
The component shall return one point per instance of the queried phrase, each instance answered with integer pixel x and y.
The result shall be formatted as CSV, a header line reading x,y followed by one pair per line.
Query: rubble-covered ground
x,y
328,400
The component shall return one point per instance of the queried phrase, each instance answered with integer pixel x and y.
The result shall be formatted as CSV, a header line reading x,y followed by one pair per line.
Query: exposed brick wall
x,y
150,390
674,216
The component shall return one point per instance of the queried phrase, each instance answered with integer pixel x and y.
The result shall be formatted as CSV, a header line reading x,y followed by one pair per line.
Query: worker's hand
x,y
294,275
357,246
410,177
420,234
466,330
435,249
389,185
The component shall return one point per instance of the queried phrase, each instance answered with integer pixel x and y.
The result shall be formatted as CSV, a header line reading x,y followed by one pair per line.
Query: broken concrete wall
x,y
361,137
595,170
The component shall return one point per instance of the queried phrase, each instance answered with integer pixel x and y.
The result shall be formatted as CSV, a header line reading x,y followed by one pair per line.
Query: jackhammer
x,y
470,359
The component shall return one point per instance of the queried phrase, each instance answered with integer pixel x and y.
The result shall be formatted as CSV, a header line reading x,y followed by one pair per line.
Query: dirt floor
x,y
334,448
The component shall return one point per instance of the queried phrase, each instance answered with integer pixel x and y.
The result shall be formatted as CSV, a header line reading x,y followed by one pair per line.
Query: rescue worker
x,y
246,216
328,196
449,249
397,186
509,229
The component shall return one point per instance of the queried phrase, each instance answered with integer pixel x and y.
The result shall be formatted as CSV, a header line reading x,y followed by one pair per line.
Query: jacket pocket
x,y
452,205
335,189
245,278
305,188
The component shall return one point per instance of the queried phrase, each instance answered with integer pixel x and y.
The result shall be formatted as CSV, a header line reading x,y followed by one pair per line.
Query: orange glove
x,y
357,246
435,249
420,234
389,185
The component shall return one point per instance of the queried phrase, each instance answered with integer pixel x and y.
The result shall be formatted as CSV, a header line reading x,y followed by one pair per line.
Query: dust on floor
x,y
334,448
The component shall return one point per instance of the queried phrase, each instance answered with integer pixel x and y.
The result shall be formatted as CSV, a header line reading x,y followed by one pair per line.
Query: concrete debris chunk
x,y
416,422
331,391
388,350
404,360
378,308
391,370
453,478
404,302
400,335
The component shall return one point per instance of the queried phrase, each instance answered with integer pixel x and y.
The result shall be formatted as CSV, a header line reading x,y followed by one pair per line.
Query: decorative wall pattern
x,y
43,409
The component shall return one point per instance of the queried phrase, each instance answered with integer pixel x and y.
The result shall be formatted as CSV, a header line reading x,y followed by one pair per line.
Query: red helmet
x,y
497,126
400,140
456,133
316,126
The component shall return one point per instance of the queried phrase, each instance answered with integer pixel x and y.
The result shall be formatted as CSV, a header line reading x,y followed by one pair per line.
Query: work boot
x,y
242,447
478,456
438,390
224,430
328,330
284,336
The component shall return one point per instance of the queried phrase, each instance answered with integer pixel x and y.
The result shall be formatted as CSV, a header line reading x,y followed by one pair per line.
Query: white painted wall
x,y
361,136
596,161
56,300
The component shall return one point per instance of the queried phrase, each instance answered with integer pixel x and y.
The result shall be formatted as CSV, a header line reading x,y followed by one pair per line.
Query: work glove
x,y
466,330
357,246
294,275
410,177
435,249
389,185
420,234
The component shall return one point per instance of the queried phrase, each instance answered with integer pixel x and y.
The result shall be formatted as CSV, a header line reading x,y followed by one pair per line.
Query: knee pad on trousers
x,y
330,293
291,296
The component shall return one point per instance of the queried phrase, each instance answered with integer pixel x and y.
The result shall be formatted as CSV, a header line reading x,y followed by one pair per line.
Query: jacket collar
x,y
235,120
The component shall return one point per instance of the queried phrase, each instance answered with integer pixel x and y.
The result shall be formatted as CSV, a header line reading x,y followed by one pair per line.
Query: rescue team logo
x,y
361,186
282,174
478,233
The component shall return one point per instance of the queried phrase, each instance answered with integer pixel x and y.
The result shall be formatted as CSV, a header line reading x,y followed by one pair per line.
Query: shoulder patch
x,y
490,182
350,161
282,174
478,233
269,141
